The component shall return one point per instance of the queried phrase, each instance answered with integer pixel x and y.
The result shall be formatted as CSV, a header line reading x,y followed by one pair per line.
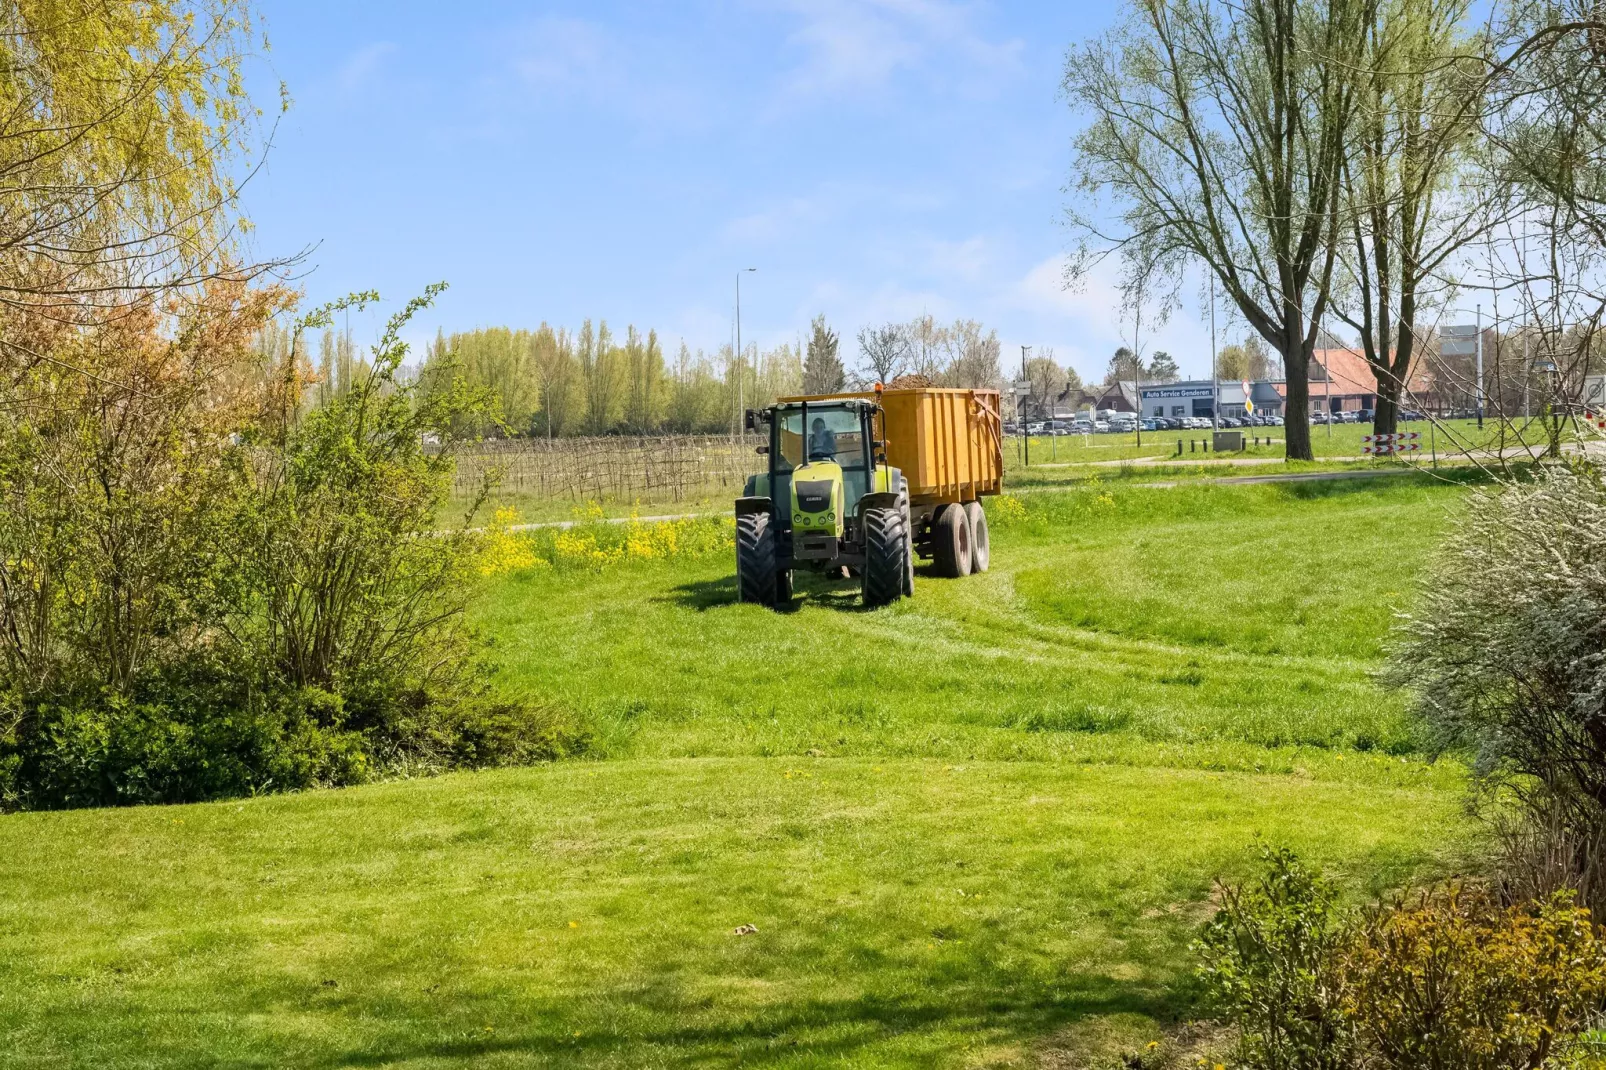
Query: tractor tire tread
x,y
886,555
755,560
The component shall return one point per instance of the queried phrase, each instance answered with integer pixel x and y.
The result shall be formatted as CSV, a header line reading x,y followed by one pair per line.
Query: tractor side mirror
x,y
752,419
762,450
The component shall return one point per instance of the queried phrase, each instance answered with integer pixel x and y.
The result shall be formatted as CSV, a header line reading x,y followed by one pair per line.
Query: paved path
x,y
1285,477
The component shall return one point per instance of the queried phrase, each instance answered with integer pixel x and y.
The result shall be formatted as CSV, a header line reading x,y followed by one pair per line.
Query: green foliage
x,y
239,592
1449,978
1504,652
1453,979
125,119
822,367
196,734
1270,959
334,557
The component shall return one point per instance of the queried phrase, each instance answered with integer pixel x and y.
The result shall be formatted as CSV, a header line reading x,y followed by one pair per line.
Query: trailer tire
x,y
783,586
886,555
981,550
756,579
950,537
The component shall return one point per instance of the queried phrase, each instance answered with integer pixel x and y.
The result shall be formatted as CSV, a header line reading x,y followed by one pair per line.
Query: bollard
x,y
1179,447
1193,447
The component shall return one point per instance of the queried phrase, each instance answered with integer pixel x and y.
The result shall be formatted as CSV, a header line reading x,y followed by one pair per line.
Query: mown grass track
x,y
965,828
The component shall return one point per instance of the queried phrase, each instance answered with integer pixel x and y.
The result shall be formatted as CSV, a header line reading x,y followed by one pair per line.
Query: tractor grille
x,y
814,496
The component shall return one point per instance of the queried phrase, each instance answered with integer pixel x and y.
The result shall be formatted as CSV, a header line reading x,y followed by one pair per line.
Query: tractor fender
x,y
753,504
881,499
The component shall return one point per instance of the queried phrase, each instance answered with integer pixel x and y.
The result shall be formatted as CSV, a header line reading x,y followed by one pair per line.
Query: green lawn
x,y
970,829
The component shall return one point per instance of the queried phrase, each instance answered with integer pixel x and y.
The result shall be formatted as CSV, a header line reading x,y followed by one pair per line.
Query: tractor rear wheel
x,y
909,538
756,580
886,556
981,550
950,539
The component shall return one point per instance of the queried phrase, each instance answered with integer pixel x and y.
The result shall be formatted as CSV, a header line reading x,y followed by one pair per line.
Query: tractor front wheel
x,y
950,538
886,550
756,579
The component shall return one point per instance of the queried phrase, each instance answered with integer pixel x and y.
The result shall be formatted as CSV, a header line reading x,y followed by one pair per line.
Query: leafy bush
x,y
210,587
1452,979
1270,958
1506,657
203,732
1449,979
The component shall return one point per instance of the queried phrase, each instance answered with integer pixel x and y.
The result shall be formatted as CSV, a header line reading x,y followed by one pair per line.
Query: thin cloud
x,y
363,67
854,47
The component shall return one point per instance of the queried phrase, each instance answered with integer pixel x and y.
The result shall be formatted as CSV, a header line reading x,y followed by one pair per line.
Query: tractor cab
x,y
821,464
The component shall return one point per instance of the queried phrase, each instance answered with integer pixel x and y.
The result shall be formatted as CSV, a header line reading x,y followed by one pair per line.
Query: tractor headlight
x,y
830,518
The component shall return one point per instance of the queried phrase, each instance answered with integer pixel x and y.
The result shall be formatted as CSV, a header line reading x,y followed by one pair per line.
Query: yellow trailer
x,y
862,483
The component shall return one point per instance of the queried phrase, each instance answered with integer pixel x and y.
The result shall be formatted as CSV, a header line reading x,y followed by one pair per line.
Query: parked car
x,y
1101,426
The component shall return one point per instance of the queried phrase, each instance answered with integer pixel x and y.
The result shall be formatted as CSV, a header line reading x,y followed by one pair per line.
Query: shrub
x,y
202,732
1448,979
238,592
1451,979
1270,959
1506,654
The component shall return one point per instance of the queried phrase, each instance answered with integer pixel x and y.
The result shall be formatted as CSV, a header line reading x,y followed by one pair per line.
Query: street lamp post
x,y
1025,432
741,414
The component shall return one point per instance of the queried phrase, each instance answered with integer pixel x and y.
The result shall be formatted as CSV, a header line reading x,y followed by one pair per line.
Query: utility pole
x,y
1480,366
1025,435
741,383
1137,389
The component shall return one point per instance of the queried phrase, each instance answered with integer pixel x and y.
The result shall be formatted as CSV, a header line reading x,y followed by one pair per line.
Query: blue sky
x,y
623,159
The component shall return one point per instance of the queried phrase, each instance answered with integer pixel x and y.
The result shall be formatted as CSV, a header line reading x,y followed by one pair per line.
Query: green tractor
x,y
830,502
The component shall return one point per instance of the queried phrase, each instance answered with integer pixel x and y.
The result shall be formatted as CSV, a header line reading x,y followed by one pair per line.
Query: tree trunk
x,y
1386,417
1296,413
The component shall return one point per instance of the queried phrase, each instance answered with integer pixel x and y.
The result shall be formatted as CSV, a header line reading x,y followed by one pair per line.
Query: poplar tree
x,y
822,367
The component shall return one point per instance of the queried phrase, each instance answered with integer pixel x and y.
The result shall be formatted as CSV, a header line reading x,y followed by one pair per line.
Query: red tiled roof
x,y
1351,374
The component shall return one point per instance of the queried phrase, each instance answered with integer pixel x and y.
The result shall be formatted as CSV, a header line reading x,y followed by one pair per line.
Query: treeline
x,y
552,381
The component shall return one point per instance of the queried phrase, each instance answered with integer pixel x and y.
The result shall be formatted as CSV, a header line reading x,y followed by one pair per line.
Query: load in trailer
x,y
859,484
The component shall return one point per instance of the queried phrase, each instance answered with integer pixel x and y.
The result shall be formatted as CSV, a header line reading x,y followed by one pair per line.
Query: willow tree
x,y
1408,206
1216,136
122,126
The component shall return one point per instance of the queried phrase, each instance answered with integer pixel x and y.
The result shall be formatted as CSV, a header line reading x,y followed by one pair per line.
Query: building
x,y
1198,397
1341,380
1195,397
1121,397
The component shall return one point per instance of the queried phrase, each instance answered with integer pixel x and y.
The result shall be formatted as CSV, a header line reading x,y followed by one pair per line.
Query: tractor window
x,y
831,435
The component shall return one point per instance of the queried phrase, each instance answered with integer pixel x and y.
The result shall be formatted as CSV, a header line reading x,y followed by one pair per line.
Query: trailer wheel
x,y
783,586
886,553
756,579
950,537
981,551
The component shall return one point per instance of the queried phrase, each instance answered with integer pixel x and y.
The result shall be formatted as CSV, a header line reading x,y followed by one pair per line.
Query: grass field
x,y
975,829
1449,438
